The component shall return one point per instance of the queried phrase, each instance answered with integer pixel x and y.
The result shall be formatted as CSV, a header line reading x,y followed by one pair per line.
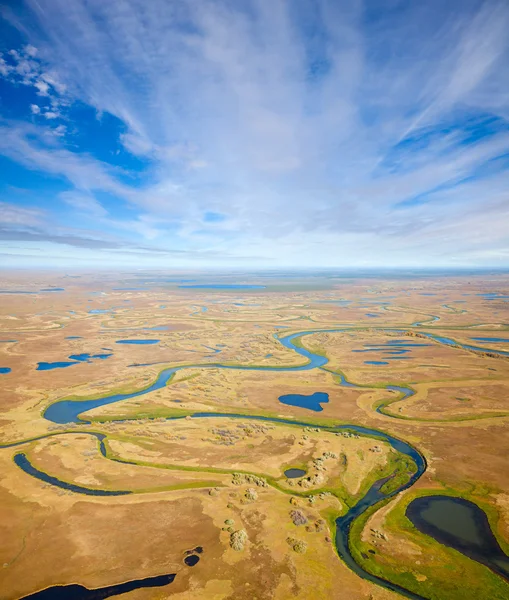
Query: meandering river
x,y
68,411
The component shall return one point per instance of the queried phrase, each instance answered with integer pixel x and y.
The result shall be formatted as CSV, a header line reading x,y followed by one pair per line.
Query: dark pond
x,y
311,402
375,362
192,560
461,525
79,592
294,473
73,337
5,370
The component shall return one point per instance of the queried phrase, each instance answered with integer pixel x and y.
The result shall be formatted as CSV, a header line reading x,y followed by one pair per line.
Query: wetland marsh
x,y
233,421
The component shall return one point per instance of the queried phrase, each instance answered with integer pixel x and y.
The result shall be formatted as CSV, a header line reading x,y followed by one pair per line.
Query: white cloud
x,y
290,134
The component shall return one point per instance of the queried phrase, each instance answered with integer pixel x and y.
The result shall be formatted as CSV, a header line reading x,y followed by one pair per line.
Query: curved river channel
x,y
68,411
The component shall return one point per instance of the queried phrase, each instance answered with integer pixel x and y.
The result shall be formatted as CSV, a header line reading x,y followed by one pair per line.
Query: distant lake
x,y
5,370
223,286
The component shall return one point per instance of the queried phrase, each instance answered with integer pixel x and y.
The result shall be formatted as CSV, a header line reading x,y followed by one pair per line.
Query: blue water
x,y
449,342
245,304
142,342
372,315
100,311
52,290
5,370
495,340
223,286
73,337
156,328
338,302
431,319
405,343
87,357
8,341
23,463
375,362
459,524
68,411
311,401
493,296
49,366
215,350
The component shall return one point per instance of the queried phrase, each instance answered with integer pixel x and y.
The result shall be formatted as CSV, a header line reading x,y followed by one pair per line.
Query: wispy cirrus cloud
x,y
350,123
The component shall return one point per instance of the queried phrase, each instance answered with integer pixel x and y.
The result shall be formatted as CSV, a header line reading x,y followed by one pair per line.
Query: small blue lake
x,y
100,311
49,366
311,402
75,359
375,362
73,337
140,342
88,357
5,370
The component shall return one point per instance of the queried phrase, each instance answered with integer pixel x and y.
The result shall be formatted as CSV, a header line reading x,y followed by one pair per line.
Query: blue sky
x,y
238,134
